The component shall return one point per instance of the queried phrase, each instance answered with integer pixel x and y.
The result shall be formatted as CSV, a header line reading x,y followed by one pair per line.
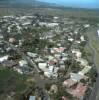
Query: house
x,y
52,62
76,77
85,70
19,70
69,82
78,41
82,61
82,38
64,98
59,50
43,66
26,23
48,24
49,70
32,98
9,63
54,88
70,39
86,25
4,58
57,56
78,91
1,37
98,32
23,63
12,40
50,57
77,53
47,74
39,60
32,55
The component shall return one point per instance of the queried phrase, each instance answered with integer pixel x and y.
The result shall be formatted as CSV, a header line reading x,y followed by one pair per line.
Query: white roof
x,y
98,32
82,38
30,54
23,62
70,39
82,61
3,58
42,66
85,70
47,74
77,52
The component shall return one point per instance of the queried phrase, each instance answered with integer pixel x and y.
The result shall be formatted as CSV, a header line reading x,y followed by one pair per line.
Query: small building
x,y
59,50
77,53
52,62
82,61
70,39
78,91
85,70
42,66
69,82
64,98
54,88
86,25
1,37
32,55
9,63
82,38
23,63
39,60
12,40
98,32
4,58
76,77
32,98
19,70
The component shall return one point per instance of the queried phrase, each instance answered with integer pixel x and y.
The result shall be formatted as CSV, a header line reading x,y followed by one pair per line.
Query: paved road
x,y
95,90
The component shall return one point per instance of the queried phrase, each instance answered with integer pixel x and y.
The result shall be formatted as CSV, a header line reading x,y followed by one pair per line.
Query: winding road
x,y
95,91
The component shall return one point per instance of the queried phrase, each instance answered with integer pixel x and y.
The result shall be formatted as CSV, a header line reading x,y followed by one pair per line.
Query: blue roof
x,y
32,98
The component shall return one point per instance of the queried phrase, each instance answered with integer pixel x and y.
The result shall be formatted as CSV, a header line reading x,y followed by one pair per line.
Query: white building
x,y
33,55
77,53
82,38
23,63
98,32
85,70
2,59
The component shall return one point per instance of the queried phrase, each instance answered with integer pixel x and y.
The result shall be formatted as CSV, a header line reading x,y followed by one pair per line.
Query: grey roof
x,y
32,98
76,77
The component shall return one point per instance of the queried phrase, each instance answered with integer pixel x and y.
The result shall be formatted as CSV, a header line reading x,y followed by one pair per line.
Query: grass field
x,y
67,12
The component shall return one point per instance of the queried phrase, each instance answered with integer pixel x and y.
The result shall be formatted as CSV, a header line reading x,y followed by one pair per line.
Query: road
x,y
95,90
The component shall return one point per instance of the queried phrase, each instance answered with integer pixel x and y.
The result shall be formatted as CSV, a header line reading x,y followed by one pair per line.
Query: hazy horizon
x,y
76,3
93,4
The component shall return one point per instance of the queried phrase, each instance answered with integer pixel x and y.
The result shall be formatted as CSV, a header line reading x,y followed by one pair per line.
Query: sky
x,y
76,3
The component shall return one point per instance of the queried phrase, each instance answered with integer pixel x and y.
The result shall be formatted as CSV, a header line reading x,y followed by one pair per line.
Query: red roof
x,y
51,62
79,90
64,98
60,49
69,83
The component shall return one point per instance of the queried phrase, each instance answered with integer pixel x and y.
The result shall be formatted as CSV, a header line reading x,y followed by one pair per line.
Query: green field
x,y
67,12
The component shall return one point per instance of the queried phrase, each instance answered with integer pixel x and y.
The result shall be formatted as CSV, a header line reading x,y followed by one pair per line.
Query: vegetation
x,y
11,81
